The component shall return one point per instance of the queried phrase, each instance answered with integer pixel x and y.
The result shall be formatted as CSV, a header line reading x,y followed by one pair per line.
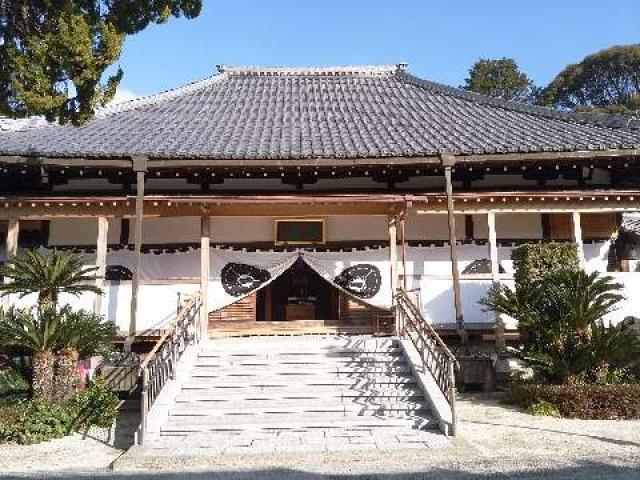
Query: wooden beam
x,y
101,260
448,162
140,179
393,260
205,252
577,237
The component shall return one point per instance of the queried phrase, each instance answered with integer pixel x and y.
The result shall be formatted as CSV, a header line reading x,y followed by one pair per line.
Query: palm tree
x,y
47,275
36,330
560,318
81,332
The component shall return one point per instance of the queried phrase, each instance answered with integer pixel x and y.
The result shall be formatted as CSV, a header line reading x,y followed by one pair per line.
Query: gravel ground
x,y
495,442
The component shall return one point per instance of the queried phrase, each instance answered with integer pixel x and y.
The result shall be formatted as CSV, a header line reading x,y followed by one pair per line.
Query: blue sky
x,y
440,39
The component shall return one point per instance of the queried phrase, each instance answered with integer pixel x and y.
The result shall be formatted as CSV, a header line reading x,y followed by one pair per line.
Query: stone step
x,y
296,424
281,383
303,345
301,407
294,362
252,397
313,373
302,354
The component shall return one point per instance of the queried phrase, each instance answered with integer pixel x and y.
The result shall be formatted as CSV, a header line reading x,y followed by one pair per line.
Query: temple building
x,y
299,200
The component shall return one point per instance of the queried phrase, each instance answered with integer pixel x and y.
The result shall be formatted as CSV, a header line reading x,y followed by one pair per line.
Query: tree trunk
x,y
66,377
42,382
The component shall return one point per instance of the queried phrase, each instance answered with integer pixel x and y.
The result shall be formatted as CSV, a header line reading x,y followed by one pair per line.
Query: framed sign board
x,y
299,231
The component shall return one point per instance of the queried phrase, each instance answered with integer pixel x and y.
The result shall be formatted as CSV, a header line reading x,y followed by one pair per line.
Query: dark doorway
x,y
298,294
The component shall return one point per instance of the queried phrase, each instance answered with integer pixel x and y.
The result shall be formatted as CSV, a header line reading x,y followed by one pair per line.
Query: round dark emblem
x,y
239,278
117,272
363,281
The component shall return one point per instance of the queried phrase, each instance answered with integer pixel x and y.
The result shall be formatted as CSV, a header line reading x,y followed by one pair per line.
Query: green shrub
x,y
13,387
599,402
533,261
97,406
543,408
35,421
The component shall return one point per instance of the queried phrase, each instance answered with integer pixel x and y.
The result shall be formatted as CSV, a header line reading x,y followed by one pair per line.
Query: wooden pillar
x,y
205,252
13,231
403,252
577,238
495,278
393,260
447,162
140,168
393,253
101,260
11,248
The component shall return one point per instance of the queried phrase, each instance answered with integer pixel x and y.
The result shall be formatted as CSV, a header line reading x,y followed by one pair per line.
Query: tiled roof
x,y
338,112
631,222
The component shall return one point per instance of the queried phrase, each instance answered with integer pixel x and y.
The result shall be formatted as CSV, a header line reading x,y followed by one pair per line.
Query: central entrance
x,y
298,294
297,302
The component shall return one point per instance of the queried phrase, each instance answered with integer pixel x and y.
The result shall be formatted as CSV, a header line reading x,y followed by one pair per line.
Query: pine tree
x,y
54,53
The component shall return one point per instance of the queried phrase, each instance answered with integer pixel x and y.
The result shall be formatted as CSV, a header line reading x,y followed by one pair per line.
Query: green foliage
x,y
563,336
96,406
500,78
54,54
598,402
532,261
85,331
35,421
48,275
36,330
608,81
542,408
13,387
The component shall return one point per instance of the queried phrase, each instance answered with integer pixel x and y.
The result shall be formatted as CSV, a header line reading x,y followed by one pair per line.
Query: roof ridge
x,y
158,97
337,70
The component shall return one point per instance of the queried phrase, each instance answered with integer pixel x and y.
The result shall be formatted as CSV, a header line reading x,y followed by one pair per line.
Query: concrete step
x,y
293,362
303,345
300,407
390,394
302,354
297,424
239,375
282,384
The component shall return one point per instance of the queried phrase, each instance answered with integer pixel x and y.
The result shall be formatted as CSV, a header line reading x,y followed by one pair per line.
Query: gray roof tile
x,y
349,112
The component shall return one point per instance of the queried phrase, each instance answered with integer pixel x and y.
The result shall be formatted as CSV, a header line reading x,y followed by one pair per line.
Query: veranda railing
x,y
436,356
159,365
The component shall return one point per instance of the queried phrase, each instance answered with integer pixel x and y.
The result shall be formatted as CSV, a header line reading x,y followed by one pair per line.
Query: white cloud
x,y
123,95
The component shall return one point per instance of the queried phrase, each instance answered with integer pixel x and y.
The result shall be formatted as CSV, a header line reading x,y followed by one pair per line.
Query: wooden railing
x,y
159,365
436,356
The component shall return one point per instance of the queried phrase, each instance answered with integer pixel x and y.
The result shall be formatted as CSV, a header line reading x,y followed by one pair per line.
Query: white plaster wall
x,y
80,231
510,226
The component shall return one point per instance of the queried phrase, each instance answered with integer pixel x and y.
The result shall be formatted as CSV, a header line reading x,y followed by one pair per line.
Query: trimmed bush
x,y
532,261
35,421
589,402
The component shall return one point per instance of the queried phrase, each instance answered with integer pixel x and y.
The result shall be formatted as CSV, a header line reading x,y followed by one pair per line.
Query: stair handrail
x,y
159,365
434,353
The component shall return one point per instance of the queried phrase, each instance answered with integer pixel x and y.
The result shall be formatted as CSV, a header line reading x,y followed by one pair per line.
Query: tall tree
x,y
500,78
54,54
608,80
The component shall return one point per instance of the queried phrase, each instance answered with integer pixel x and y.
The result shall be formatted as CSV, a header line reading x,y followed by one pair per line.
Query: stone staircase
x,y
277,394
